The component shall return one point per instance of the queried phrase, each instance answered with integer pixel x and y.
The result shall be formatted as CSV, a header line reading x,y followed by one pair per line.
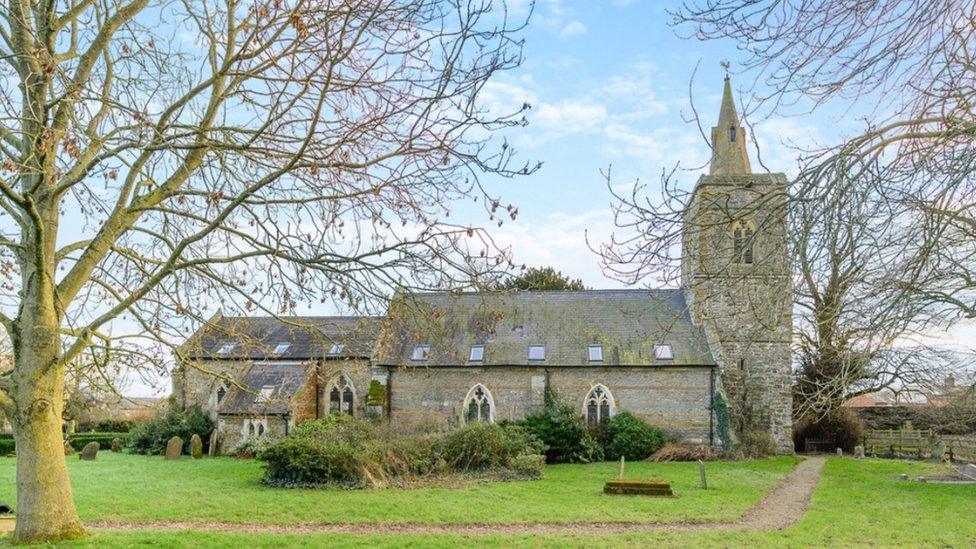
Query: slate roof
x,y
626,323
309,337
285,378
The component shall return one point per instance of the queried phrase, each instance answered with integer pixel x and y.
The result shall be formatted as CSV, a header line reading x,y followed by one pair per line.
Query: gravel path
x,y
781,508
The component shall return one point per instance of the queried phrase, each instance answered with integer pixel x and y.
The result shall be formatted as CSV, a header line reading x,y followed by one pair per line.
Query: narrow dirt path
x,y
781,508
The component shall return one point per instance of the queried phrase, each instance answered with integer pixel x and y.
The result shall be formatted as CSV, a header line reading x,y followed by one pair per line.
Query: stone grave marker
x,y
859,452
212,451
90,451
196,446
116,445
174,448
69,450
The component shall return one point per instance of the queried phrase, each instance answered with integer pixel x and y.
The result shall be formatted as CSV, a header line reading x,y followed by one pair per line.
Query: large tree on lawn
x,y
163,159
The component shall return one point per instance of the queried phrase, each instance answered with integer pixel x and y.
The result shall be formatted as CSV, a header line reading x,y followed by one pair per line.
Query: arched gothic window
x,y
743,241
598,405
733,131
479,406
250,428
341,396
260,429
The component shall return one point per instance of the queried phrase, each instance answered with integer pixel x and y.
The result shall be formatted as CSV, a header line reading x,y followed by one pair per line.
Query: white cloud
x,y
572,29
569,116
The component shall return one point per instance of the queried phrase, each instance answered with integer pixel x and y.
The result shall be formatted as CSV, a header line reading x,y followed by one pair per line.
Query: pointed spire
x,y
729,156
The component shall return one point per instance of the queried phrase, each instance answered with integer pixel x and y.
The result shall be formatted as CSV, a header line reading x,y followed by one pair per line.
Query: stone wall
x,y
196,383
745,308
231,429
675,399
357,372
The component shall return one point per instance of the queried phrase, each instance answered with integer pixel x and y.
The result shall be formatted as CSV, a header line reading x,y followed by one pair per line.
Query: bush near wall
x,y
341,450
631,437
150,437
104,440
562,430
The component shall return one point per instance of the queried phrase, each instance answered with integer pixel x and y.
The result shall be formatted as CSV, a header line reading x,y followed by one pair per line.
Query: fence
x,y
912,442
919,443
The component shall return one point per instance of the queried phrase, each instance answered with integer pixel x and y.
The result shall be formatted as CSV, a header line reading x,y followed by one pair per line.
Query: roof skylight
x,y
663,351
281,348
595,353
225,349
477,353
336,348
537,352
420,352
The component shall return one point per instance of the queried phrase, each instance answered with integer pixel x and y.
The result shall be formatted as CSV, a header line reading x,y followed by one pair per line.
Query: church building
x,y
705,362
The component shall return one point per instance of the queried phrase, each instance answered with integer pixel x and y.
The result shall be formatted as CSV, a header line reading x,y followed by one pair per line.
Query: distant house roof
x,y
284,338
871,400
625,324
266,389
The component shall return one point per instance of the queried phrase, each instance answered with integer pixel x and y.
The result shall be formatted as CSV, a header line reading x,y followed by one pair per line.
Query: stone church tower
x,y
735,271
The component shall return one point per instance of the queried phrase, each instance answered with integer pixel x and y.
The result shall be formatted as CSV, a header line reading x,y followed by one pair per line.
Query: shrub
x,y
482,446
841,426
113,426
6,447
251,447
150,437
631,437
754,445
342,450
564,434
677,451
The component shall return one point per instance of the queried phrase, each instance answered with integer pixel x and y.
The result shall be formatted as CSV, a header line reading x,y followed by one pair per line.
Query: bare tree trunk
x,y
45,507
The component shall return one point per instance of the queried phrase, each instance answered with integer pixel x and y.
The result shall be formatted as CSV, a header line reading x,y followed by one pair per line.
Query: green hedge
x,y
6,446
104,440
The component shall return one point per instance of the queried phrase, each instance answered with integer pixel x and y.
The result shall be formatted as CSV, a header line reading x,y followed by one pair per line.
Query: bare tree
x,y
164,159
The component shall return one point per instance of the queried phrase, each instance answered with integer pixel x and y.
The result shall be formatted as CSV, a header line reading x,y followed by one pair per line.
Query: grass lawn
x,y
858,503
136,488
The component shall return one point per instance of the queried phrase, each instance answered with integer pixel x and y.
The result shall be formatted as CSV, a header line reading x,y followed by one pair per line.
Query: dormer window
x,y
336,349
733,131
594,353
281,348
663,351
477,353
225,349
537,352
420,352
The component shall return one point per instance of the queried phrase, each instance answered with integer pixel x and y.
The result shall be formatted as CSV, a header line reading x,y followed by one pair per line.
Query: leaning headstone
x,y
701,472
840,452
116,445
904,476
174,448
89,452
212,450
69,450
937,451
859,452
196,446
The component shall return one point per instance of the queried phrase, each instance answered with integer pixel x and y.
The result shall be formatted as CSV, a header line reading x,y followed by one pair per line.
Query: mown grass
x,y
136,488
857,504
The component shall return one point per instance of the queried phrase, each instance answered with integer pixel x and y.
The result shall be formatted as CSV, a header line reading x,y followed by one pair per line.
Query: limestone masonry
x,y
675,357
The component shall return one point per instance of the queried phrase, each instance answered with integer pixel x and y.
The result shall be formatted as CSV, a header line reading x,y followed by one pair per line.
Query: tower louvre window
x,y
733,131
743,232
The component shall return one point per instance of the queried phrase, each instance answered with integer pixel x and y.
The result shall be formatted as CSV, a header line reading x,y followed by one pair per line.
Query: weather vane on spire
x,y
725,65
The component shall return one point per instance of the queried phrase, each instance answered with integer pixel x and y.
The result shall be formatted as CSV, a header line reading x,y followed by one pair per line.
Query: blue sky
x,y
608,82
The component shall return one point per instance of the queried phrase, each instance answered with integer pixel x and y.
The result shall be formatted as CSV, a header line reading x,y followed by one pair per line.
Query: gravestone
x,y
174,448
840,452
69,450
89,452
859,452
968,470
116,445
196,446
212,450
